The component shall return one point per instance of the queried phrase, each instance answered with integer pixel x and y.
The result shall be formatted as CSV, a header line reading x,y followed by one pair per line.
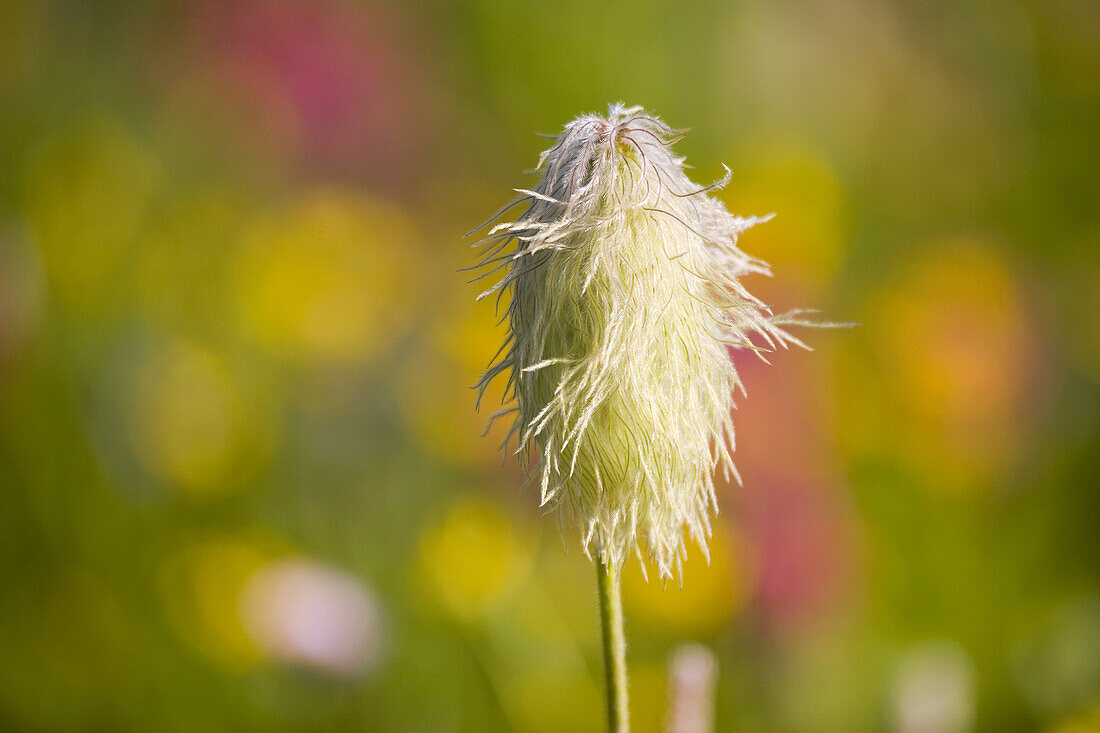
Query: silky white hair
x,y
626,297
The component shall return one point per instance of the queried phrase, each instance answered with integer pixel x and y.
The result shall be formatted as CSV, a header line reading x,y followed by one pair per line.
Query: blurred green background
x,y
242,483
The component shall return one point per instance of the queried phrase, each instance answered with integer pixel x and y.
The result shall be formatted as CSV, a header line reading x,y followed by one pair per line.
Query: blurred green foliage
x,y
242,483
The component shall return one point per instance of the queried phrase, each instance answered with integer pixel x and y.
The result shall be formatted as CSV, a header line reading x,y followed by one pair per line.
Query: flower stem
x,y
614,646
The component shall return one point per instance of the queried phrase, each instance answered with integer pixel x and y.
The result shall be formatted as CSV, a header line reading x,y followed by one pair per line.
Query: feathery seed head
x,y
625,297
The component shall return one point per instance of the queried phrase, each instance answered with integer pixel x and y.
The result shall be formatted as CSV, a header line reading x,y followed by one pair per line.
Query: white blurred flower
x,y
934,690
309,614
693,674
625,297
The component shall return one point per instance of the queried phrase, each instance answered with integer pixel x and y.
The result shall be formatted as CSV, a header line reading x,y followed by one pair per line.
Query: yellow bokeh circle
x,y
474,559
329,279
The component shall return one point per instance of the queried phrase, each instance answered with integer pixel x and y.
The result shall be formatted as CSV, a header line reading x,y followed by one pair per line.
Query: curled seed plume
x,y
626,297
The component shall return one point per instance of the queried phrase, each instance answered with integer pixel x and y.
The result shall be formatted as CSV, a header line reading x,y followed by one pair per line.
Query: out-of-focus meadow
x,y
242,482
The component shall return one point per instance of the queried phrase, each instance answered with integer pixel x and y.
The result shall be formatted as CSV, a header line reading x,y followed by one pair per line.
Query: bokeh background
x,y
242,482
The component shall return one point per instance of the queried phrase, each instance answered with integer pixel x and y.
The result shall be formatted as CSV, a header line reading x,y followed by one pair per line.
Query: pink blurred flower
x,y
792,503
342,72
805,555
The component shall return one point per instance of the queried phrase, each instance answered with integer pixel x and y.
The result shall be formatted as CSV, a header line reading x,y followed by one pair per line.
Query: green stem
x,y
614,646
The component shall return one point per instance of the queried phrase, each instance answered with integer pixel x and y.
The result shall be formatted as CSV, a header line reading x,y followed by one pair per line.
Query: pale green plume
x,y
625,296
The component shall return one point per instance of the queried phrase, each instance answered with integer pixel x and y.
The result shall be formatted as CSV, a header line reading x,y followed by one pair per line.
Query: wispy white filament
x,y
625,298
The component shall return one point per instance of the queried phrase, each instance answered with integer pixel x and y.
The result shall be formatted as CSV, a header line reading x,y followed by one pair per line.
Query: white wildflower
x,y
625,296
